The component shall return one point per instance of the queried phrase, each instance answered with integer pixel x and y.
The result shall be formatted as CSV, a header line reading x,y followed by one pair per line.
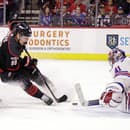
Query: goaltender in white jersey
x,y
117,93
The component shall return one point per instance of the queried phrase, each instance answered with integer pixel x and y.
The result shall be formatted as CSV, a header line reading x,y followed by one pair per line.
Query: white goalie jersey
x,y
117,92
121,72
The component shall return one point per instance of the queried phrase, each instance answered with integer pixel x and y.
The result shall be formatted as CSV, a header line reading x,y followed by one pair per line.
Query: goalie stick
x,y
81,98
63,98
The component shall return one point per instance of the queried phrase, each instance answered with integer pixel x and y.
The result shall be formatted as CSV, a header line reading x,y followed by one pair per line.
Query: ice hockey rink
x,y
18,111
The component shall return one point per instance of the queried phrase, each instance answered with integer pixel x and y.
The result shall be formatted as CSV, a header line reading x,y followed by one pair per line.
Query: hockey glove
x,y
7,76
28,62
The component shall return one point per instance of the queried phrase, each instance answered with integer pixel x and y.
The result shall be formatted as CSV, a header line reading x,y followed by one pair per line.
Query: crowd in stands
x,y
99,13
12,9
83,12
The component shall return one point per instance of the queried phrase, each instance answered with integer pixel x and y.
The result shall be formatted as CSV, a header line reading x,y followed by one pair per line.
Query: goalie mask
x,y
116,55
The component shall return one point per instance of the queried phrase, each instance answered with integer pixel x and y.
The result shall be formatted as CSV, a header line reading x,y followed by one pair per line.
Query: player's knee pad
x,y
113,95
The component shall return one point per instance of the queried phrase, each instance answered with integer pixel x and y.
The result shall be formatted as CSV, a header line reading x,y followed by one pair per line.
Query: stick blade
x,y
93,102
63,98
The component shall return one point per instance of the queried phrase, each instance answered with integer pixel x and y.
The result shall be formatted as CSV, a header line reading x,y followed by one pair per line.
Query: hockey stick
x,y
81,98
63,98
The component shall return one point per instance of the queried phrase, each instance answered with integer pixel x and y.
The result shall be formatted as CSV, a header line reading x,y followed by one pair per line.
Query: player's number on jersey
x,y
14,61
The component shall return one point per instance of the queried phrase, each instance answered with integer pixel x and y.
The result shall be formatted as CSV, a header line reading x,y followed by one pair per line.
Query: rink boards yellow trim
x,y
69,56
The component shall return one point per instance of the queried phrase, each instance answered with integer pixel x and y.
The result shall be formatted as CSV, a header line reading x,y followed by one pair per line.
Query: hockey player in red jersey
x,y
117,93
15,68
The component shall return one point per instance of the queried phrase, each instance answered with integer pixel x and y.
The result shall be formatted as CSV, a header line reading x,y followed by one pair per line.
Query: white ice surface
x,y
18,111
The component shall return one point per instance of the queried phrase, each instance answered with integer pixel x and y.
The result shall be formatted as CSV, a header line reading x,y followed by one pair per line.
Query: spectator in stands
x,y
44,3
103,19
45,16
110,7
78,3
68,3
126,6
120,18
78,17
56,17
65,2
90,17
67,18
58,4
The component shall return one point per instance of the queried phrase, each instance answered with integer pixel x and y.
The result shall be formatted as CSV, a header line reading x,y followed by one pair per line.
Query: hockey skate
x,y
47,100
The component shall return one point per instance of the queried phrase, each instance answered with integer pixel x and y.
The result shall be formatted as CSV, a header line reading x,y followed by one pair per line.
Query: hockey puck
x,y
74,103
